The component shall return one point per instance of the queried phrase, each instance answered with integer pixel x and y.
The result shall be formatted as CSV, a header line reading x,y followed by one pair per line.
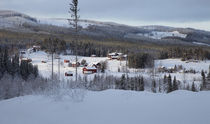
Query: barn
x,y
89,70
74,64
66,61
36,48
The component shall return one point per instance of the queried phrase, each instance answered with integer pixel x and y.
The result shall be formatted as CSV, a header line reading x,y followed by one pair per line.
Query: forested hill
x,y
18,22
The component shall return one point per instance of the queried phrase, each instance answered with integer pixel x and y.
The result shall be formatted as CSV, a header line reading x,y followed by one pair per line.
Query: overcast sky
x,y
181,13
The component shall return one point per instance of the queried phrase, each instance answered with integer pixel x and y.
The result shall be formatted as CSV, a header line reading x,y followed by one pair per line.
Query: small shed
x,y
66,61
93,55
26,60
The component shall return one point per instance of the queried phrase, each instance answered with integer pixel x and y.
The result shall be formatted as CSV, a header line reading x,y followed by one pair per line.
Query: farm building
x,y
26,60
69,73
89,70
93,55
36,48
74,64
66,61
118,56
96,64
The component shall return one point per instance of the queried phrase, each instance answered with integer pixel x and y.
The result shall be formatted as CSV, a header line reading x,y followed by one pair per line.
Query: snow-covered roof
x,y
90,68
95,63
113,54
115,57
35,46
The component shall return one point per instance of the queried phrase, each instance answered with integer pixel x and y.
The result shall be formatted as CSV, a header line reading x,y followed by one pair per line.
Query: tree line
x,y
185,53
12,65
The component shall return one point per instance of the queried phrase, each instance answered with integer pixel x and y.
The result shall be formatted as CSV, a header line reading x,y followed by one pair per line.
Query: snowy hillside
x,y
160,35
111,106
16,21
11,19
65,23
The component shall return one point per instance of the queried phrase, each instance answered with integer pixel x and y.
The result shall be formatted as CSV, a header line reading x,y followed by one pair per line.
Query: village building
x,y
96,65
26,60
66,61
74,64
36,48
69,73
93,55
117,56
89,70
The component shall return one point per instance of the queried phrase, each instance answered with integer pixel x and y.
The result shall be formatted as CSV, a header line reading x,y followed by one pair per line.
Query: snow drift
x,y
111,106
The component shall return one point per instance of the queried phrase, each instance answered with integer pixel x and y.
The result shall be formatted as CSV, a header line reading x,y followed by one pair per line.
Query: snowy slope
x,y
160,35
11,19
63,22
109,107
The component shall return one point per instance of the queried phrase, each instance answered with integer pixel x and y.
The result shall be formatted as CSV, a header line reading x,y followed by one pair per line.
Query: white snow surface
x,y
65,23
109,107
115,65
160,35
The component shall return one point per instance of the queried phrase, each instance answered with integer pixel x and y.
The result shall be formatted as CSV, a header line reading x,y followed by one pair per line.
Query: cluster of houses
x,y
87,68
90,68
30,50
95,66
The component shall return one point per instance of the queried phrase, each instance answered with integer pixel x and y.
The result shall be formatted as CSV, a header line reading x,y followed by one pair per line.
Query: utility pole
x,y
59,68
52,67
126,64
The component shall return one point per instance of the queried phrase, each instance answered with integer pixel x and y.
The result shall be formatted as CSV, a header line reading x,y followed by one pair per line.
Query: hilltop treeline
x,y
185,54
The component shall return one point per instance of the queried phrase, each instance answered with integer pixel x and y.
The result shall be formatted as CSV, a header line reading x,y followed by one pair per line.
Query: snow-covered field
x,y
109,107
114,65
45,68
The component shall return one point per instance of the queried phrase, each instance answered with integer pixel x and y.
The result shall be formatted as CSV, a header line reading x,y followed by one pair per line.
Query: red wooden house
x,y
66,61
89,70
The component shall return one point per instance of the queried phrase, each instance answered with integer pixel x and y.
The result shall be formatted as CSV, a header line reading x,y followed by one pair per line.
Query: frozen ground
x,y
109,107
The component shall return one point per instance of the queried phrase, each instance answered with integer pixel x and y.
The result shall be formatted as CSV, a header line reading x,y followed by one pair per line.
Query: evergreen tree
x,y
193,87
203,79
175,85
188,87
122,82
170,88
165,83
141,84
153,86
209,73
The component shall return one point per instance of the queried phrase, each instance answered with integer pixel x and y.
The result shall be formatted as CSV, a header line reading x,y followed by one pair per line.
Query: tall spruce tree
x,y
170,88
193,87
73,10
141,84
203,79
175,85
153,86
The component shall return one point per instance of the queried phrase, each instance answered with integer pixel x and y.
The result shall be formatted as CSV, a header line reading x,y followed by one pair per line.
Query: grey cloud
x,y
138,10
